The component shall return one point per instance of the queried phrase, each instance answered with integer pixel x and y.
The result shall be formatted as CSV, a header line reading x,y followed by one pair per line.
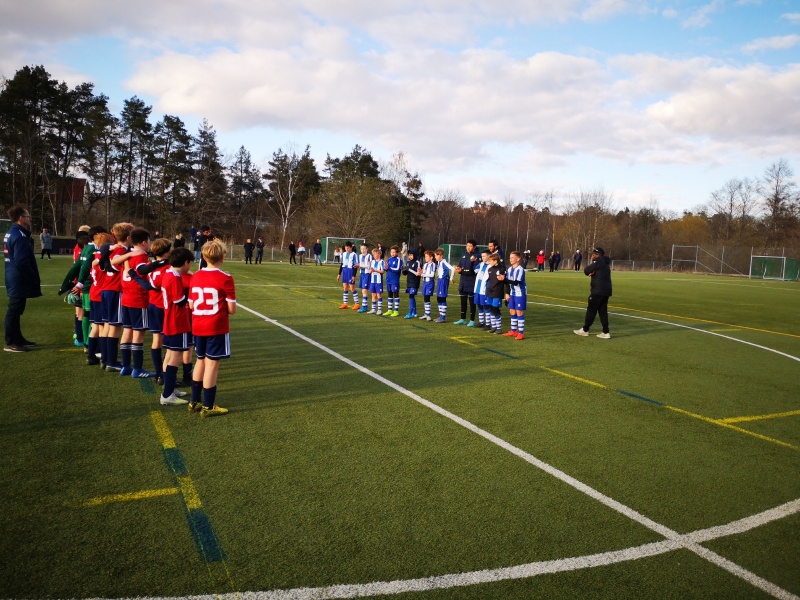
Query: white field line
x,y
674,539
727,337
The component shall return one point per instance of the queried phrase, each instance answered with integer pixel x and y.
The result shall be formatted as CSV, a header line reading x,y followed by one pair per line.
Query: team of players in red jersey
x,y
128,294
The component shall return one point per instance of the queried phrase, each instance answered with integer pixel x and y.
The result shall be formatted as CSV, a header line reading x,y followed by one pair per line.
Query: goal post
x,y
781,268
330,244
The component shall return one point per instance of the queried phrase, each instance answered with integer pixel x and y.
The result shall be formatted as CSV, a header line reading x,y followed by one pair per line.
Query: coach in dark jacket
x,y
467,268
600,291
21,276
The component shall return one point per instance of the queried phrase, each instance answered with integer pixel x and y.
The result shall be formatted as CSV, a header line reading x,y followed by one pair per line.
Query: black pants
x,y
597,304
16,306
467,296
292,258
259,256
248,258
46,251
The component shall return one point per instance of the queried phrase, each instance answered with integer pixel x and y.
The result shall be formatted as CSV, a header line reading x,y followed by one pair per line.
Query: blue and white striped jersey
x,y
349,260
444,270
515,277
377,268
481,278
363,262
428,271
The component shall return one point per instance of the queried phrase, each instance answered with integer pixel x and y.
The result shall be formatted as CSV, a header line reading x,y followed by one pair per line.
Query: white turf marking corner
x,y
674,540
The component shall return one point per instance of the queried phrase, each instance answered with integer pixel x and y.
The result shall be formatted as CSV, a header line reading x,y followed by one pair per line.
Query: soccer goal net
x,y
331,244
774,267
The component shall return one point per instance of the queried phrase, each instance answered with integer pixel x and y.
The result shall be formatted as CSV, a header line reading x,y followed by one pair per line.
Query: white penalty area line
x,y
674,539
652,320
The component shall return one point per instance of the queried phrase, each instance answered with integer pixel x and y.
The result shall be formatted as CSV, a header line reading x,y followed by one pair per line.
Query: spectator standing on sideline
x,y
301,250
557,259
47,243
420,255
337,255
577,259
248,252
21,276
382,250
600,291
316,250
196,242
178,242
540,260
526,256
552,261
292,253
205,236
259,250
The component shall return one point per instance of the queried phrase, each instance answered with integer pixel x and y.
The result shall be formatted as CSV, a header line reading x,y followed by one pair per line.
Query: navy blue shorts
x,y
427,288
213,347
347,275
442,288
393,288
517,302
111,309
494,302
411,291
96,313
178,342
363,281
155,318
135,318
480,300
375,288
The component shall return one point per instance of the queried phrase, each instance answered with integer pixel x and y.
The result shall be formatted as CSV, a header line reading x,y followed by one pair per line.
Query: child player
x,y
495,291
135,301
363,280
377,267
177,327
212,299
413,271
111,288
481,279
428,275
517,296
347,275
445,273
393,268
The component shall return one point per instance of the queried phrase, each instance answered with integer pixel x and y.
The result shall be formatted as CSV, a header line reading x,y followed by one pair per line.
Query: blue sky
x,y
657,102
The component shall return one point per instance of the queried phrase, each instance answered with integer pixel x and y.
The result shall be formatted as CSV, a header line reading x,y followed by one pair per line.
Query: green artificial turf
x,y
323,474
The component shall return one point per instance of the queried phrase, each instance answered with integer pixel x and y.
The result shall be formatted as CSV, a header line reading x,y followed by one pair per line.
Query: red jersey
x,y
98,278
76,252
176,318
134,295
211,290
155,277
113,279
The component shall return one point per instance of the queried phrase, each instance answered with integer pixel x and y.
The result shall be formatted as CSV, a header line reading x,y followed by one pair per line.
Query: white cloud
x,y
702,16
783,42
792,17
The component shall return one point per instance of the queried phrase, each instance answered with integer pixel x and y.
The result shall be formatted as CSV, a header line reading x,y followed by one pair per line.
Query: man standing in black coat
x,y
21,276
467,267
600,291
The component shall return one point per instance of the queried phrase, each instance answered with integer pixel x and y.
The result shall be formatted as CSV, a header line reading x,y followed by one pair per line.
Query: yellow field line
x,y
576,378
649,312
143,495
164,433
733,427
463,341
791,413
190,495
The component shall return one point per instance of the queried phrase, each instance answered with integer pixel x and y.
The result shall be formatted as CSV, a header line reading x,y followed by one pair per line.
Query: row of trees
x,y
54,139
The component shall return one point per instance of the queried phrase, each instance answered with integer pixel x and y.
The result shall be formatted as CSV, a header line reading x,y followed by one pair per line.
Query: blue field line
x,y
501,353
421,327
642,398
204,536
147,385
174,460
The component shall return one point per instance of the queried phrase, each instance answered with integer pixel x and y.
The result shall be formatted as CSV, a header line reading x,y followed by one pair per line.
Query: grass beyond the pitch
x,y
323,475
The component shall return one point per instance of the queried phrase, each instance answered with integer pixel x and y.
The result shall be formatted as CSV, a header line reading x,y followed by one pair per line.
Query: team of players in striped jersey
x,y
124,294
484,284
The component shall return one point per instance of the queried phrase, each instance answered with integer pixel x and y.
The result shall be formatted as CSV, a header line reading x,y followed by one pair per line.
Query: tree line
x,y
71,161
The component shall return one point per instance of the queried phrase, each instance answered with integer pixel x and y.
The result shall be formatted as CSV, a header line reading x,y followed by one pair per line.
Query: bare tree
x,y
443,211
779,195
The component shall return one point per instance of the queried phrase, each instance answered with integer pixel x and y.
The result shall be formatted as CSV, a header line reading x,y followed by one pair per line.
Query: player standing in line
x,y
94,293
212,299
135,301
177,327
481,280
377,267
495,291
111,291
517,297
347,275
394,267
363,279
413,271
445,273
428,275
467,267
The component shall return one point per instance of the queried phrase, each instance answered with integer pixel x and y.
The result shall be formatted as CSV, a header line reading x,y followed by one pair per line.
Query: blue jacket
x,y
469,266
21,270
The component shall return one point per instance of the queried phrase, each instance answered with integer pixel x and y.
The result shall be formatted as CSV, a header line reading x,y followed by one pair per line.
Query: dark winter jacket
x,y
600,272
468,264
21,270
